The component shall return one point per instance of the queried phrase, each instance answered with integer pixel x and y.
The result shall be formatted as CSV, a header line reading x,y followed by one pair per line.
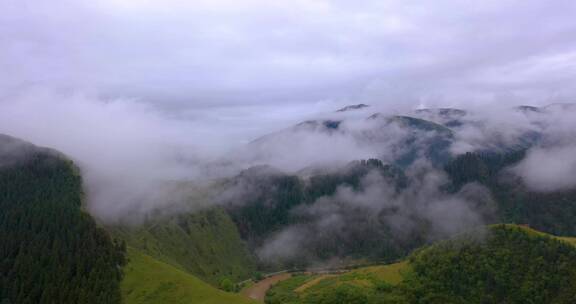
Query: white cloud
x,y
549,169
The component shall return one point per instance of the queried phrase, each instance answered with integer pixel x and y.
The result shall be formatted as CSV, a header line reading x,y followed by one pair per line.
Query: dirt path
x,y
313,282
258,290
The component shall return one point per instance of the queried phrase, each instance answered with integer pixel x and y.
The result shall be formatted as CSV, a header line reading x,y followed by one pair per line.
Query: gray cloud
x,y
377,208
549,169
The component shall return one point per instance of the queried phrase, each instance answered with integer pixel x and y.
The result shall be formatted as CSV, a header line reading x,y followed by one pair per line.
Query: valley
x,y
424,225
287,152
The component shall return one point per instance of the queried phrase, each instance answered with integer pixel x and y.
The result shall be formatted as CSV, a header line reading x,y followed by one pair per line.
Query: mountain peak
x,y
442,111
528,109
353,107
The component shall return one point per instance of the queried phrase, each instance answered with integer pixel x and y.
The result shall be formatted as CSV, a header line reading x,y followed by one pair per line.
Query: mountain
x,y
528,109
449,117
326,211
410,139
51,250
353,107
434,135
394,138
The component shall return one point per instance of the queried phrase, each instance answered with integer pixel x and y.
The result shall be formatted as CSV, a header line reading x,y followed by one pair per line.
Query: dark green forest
x,y
552,212
51,251
275,198
509,264
269,200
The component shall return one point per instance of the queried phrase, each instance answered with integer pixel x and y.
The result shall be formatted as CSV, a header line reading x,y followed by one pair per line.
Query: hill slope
x,y
551,212
50,250
505,264
149,281
205,244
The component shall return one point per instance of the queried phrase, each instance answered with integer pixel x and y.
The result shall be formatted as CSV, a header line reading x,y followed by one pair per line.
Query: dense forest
x,y
274,200
552,212
261,202
51,251
509,265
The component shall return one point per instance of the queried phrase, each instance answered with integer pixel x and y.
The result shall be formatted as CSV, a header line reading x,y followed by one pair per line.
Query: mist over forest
x,y
287,152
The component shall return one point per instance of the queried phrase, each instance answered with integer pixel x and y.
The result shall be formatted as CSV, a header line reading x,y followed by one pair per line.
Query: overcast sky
x,y
192,53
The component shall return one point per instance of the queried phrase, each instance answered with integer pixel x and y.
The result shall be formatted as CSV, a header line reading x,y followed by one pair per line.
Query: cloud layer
x,y
256,51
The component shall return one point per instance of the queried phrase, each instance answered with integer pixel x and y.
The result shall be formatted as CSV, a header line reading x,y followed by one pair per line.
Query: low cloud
x,y
138,158
379,208
549,169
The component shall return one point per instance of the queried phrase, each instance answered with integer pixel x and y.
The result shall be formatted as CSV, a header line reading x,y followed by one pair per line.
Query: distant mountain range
x,y
424,133
419,179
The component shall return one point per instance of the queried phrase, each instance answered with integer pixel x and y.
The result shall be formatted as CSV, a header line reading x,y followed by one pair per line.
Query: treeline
x,y
50,250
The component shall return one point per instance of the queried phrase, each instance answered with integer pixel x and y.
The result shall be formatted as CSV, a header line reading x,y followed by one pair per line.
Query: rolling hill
x,y
503,264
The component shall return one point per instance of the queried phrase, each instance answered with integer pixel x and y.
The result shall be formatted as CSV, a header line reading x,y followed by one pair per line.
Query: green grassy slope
x,y
300,287
149,281
205,244
362,277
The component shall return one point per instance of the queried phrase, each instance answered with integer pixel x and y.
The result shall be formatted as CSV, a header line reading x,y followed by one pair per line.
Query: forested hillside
x,y
271,200
553,212
510,265
502,264
205,244
260,201
51,251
